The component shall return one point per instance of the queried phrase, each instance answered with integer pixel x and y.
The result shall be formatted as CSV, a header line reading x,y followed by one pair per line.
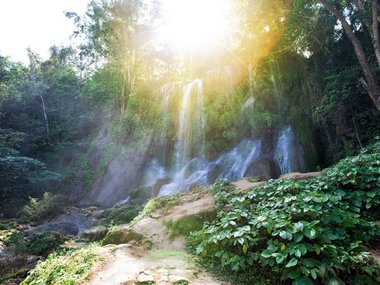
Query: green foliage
x,y
256,275
22,177
306,230
16,239
121,235
49,206
65,268
122,215
41,244
163,204
186,225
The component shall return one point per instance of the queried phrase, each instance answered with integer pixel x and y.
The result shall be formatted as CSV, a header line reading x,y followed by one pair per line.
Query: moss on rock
x,y
121,235
96,233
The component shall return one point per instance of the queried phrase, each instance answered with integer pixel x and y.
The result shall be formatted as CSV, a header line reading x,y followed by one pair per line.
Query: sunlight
x,y
195,24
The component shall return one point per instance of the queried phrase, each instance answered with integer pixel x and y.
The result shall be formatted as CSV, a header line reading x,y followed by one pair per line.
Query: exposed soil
x,y
164,261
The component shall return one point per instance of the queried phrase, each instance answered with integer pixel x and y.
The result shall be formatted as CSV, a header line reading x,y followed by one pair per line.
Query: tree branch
x,y
370,82
375,30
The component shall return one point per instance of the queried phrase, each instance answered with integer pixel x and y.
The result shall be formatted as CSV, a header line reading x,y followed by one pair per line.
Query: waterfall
x,y
200,172
234,164
289,154
153,173
284,150
193,173
190,140
248,105
165,93
251,79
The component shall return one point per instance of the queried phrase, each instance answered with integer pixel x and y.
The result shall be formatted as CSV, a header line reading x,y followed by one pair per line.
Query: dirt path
x,y
165,262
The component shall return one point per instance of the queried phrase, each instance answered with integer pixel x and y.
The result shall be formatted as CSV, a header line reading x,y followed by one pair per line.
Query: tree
x,y
116,33
368,11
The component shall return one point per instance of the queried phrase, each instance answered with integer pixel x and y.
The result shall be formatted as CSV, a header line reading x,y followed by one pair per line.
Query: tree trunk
x,y
375,30
370,83
45,115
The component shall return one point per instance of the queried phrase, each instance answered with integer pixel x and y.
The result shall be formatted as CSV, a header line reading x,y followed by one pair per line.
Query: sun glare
x,y
195,24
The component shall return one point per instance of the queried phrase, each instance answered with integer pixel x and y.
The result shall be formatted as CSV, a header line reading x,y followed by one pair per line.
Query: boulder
x,y
145,279
263,168
97,214
244,184
121,235
298,175
157,186
122,175
95,233
66,224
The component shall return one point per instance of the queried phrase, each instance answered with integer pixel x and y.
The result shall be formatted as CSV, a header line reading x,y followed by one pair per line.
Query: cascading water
x,y
248,105
165,93
284,149
190,142
193,173
190,167
153,173
235,163
251,80
200,172
289,155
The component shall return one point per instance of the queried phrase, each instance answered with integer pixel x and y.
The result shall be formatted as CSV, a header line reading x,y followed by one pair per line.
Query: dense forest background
x,y
293,57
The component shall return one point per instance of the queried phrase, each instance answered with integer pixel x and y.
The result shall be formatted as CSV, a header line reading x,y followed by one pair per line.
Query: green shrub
x,y
306,230
65,268
163,204
186,225
122,215
39,244
14,238
42,244
49,206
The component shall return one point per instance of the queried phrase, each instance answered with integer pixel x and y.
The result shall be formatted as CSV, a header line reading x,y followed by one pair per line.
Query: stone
x,y
97,214
66,224
298,175
121,235
122,175
178,280
157,186
155,215
145,279
95,233
244,184
265,168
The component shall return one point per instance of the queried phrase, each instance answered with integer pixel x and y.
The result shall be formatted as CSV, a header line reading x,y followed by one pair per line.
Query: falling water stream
x,y
190,168
190,140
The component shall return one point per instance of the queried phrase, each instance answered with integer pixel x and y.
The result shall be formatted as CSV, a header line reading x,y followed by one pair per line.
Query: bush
x,y
42,244
67,268
39,244
122,215
48,206
14,238
306,230
188,224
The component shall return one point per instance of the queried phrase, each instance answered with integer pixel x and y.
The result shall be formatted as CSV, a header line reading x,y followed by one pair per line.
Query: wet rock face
x,y
289,153
95,233
157,186
66,224
263,168
122,175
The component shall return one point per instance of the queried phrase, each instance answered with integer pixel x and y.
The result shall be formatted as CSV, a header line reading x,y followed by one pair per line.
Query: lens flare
x,y
195,24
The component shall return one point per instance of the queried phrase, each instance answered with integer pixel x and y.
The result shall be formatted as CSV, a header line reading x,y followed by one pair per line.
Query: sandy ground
x,y
165,262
